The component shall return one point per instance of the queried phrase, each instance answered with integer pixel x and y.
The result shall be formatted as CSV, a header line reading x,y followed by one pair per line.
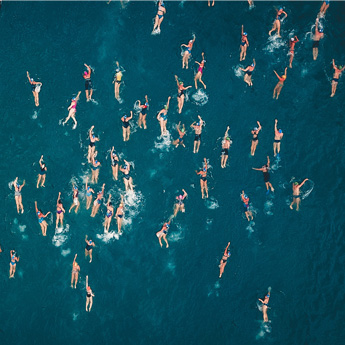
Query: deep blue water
x,y
145,294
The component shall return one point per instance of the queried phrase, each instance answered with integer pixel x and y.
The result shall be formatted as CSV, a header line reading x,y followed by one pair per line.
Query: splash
x,y
274,42
268,208
35,115
250,228
163,143
109,236
60,237
176,235
136,107
94,101
200,97
306,193
211,203
275,166
22,228
65,252
237,71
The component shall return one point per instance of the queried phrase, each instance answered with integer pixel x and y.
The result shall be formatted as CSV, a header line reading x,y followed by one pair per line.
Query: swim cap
x,y
198,123
228,138
292,39
321,30
255,128
204,169
88,288
166,225
125,166
280,131
245,196
125,116
252,65
340,67
166,107
295,183
114,153
73,98
18,185
284,76
85,73
96,161
90,242
182,130
180,196
280,8
245,34
181,82
75,187
31,79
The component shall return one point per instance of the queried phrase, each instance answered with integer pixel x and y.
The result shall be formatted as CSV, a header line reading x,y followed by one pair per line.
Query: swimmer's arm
x,y
268,161
275,125
86,239
168,103
87,280
242,30
130,118
88,68
226,249
285,71
192,125
305,180
103,188
205,163
244,69
28,75
184,193
276,74
22,185
296,39
184,45
260,300
46,214
198,63
259,124
177,82
188,87
285,14
36,206
109,198
253,61
58,197
77,98
258,169
90,131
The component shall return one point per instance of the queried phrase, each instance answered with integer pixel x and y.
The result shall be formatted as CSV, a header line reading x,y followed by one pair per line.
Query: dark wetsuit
x,y
266,176
125,124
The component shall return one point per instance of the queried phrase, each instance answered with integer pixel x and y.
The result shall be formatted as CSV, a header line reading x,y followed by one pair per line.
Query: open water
x,y
145,294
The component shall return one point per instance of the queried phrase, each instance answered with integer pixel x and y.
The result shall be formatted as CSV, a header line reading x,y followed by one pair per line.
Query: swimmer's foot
x,y
291,207
22,210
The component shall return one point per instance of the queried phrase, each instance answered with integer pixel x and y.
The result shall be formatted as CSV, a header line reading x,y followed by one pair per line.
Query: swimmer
x,y
203,180
323,9
209,3
251,4
316,39
225,148
244,45
18,195
179,204
126,128
224,259
187,53
276,23
292,42
265,170
95,166
248,75
88,249
143,112
181,133
127,179
59,212
72,110
89,192
91,148
197,129
89,296
255,139
43,224
265,306
117,80
162,233
97,202
13,263
337,73
278,135
247,212
296,194
180,93
280,84
159,17
42,174
120,213
199,73
75,272
162,117
76,202
114,163
35,88
108,215
88,83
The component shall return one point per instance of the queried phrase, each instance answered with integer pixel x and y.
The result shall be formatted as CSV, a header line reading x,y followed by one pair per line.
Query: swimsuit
x,y
255,138
88,193
94,167
249,73
277,140
88,84
125,124
144,109
225,152
119,215
17,193
164,117
113,162
127,176
200,69
88,246
316,44
203,178
266,176
335,79
197,137
58,211
180,93
43,171
109,213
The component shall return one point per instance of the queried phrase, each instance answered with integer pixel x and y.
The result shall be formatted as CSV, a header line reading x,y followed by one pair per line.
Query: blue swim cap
x,y
280,131
73,98
90,242
18,185
166,225
252,65
198,123
96,161
245,196
320,30
125,166
75,187
31,79
245,34
204,169
125,116
280,8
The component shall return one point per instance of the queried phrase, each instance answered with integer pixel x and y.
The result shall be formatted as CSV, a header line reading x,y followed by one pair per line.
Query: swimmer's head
x,y
252,65
114,153
125,166
110,204
88,288
73,99
181,82
340,67
320,29
85,73
245,196
166,107
31,79
204,169
255,128
280,8
228,138
75,187
280,131
180,197
198,123
167,225
18,185
182,130
284,76
295,183
244,34
292,39
90,241
125,117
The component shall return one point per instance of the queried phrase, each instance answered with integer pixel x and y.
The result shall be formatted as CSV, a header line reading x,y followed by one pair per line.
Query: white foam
x,y
60,237
75,316
268,208
274,42
65,252
108,236
163,143
200,97
34,115
211,203
22,228
237,71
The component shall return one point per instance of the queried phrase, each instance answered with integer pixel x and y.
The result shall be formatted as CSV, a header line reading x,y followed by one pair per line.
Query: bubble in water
x,y
65,252
274,42
35,114
211,203
60,236
163,143
237,71
200,97
75,316
268,208
22,228
107,237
